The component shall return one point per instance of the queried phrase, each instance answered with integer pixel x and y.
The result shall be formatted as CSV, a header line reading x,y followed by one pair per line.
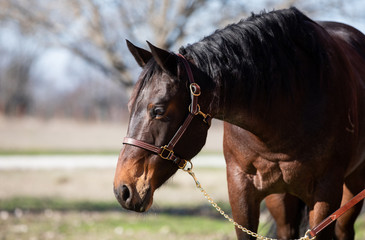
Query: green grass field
x,y
92,225
42,219
29,218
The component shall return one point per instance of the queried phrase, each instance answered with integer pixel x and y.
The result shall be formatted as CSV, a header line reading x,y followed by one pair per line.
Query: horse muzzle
x,y
132,199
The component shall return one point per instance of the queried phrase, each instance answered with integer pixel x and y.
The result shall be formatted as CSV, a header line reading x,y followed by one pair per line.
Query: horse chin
x,y
143,207
145,203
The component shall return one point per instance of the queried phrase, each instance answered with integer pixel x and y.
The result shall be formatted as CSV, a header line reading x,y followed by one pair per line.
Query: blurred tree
x,y
15,95
92,29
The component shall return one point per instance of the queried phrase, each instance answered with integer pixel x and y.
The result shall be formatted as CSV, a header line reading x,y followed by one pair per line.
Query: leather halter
x,y
166,151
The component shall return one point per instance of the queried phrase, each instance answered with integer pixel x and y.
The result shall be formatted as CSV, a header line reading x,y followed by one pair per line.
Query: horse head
x,y
162,101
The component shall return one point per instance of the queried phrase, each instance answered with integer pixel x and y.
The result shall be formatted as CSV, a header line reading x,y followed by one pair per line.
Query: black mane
x,y
261,51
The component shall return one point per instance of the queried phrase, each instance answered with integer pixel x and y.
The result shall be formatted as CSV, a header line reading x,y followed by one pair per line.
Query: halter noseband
x,y
166,151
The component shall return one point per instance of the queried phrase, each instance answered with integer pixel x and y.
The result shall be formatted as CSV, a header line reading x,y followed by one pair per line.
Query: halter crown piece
x,y
167,151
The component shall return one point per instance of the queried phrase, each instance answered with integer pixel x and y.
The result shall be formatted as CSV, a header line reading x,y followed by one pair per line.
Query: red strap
x,y
187,68
194,88
194,93
147,146
180,131
158,150
337,214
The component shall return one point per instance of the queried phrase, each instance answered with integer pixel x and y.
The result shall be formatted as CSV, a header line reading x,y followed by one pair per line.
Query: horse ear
x,y
165,59
142,56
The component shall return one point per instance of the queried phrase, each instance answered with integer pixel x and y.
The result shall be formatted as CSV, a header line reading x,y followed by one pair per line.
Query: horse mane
x,y
259,54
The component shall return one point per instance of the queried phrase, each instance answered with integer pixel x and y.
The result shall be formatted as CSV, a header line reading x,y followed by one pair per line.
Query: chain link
x,y
226,216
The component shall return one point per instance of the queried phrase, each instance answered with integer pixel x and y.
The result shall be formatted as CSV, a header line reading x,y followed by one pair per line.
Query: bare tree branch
x,y
93,30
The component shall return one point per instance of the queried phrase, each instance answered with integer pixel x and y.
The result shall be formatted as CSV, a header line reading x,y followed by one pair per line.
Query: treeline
x,y
101,70
26,91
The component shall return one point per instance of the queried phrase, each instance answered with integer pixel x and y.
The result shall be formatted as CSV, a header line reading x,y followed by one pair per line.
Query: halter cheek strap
x,y
166,151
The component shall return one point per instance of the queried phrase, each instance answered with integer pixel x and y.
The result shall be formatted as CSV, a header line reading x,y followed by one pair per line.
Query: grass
x,y
31,218
360,227
51,218
111,225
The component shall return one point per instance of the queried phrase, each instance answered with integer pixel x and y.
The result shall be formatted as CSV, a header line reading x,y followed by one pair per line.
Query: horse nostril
x,y
130,199
125,193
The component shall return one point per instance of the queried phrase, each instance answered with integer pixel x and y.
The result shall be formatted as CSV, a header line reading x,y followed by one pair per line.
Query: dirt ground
x,y
31,134
97,185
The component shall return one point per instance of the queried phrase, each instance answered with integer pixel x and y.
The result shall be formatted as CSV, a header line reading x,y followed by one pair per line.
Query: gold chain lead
x,y
226,216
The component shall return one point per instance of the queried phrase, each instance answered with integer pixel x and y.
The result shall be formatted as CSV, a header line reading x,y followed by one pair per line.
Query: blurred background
x,y
65,80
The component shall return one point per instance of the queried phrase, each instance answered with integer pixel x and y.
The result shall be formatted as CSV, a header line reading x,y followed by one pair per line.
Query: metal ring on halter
x,y
195,89
197,109
188,166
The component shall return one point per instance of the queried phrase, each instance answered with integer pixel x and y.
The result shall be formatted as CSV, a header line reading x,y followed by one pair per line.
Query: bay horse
x,y
291,92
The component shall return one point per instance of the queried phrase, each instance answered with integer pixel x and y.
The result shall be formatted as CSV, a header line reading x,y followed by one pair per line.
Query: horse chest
x,y
271,173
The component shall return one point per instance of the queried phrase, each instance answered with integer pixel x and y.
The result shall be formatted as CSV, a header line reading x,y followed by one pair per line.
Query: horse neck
x,y
259,117
227,96
315,104
280,124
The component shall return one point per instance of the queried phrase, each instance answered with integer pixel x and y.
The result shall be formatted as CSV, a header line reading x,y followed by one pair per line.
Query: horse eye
x,y
157,112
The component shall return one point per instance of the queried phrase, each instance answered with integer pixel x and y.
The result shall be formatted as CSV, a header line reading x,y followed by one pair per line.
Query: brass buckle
x,y
205,116
169,153
199,112
195,89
